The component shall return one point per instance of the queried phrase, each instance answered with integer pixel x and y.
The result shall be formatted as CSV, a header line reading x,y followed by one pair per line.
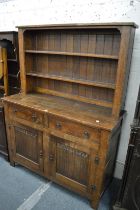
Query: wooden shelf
x,y
72,54
71,80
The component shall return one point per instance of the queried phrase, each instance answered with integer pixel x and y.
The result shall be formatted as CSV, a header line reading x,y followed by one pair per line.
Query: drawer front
x,y
74,129
26,114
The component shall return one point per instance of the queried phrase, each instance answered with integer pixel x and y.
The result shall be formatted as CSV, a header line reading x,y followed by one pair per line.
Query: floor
x,y
21,189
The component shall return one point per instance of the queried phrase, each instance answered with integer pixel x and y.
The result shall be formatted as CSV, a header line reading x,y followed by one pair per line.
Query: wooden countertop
x,y
94,116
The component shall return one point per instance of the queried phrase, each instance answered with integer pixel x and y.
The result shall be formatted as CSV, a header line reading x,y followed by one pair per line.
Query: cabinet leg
x,y
94,204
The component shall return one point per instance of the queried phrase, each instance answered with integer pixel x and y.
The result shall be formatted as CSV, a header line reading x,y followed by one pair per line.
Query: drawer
x,y
74,129
26,114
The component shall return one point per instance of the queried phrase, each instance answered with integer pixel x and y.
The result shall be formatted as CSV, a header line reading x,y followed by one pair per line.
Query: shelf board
x,y
115,57
71,80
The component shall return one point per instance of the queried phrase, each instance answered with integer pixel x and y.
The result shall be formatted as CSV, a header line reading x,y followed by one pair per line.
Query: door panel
x,y
71,164
27,146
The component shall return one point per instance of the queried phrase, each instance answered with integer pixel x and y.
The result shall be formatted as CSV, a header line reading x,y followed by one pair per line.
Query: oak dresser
x,y
66,122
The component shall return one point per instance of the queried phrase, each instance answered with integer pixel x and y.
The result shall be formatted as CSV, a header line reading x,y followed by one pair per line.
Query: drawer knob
x,y
14,110
86,135
9,126
58,125
34,117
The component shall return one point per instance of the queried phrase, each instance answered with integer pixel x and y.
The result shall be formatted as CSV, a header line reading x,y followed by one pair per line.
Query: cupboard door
x,y
72,164
27,146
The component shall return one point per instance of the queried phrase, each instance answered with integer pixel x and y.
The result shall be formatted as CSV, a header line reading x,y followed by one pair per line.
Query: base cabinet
x,y
72,154
70,164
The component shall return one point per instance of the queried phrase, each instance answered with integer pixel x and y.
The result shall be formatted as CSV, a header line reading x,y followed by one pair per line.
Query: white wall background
x,y
26,12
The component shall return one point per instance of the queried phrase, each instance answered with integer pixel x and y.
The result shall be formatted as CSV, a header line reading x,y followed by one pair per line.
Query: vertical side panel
x,y
122,69
22,61
105,135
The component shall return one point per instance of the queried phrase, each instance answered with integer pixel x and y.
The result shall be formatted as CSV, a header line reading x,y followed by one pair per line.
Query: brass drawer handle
x,y
51,157
86,134
41,154
58,125
34,117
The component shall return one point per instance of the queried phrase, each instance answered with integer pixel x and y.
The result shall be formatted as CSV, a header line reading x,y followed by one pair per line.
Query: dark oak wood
x,y
70,104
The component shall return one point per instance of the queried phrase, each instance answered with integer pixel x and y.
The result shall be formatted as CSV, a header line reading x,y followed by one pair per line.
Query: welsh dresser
x,y
66,122
9,76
